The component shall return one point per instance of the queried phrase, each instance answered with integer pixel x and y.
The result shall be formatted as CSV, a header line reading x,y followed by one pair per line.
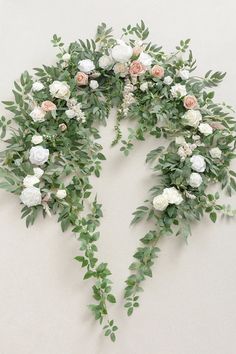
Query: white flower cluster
x,y
128,98
169,196
74,110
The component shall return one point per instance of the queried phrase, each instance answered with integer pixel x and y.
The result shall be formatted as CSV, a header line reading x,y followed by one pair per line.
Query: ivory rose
x,y
157,71
121,69
48,106
81,78
190,102
136,68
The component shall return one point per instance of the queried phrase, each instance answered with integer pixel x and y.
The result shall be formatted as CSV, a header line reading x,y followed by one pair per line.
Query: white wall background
x,y
189,306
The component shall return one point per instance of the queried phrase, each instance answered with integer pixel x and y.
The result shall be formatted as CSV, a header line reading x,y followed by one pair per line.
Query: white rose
x,y
38,114
37,86
30,181
192,118
38,172
198,163
178,90
70,113
184,74
60,89
38,155
121,53
168,80
61,193
180,140
145,59
205,129
66,57
37,139
160,202
195,180
215,153
31,196
93,84
105,61
86,66
173,195
144,86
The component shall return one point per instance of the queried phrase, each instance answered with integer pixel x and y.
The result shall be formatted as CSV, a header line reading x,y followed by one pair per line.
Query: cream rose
x,y
190,102
178,90
205,129
192,118
183,74
38,172
60,89
38,155
93,84
215,153
121,69
37,139
168,80
160,202
105,61
38,115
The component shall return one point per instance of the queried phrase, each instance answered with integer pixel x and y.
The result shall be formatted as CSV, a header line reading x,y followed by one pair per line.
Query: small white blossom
x,y
61,193
37,139
186,150
205,129
37,86
30,181
38,172
75,111
215,153
31,196
66,57
178,90
93,84
195,180
86,66
144,86
70,113
183,74
168,80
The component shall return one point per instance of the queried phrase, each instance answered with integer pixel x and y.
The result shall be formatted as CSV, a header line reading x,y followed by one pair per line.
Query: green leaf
x,y
213,216
111,298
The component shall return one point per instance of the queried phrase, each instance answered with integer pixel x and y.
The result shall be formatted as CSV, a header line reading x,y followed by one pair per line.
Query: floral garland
x,y
52,149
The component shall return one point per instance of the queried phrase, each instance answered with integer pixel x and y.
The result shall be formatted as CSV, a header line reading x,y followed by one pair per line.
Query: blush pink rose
x,y
157,71
137,51
136,68
81,78
48,106
190,102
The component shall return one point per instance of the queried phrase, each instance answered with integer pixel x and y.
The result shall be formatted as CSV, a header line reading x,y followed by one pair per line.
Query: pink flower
x,y
81,78
136,68
190,102
157,71
137,51
48,106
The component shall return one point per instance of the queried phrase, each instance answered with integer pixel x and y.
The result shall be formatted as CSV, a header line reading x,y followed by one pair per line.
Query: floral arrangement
x,y
52,145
